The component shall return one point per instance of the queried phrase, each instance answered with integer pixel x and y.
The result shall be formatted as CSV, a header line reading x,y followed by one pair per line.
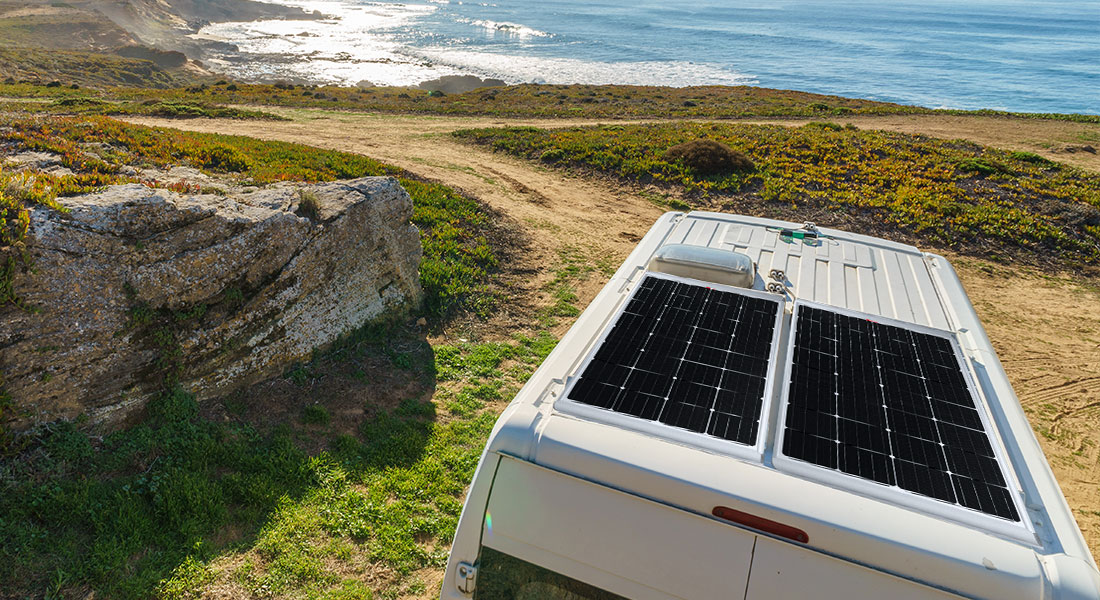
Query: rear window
x,y
504,577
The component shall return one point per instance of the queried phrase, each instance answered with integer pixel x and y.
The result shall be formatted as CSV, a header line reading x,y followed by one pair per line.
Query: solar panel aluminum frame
x,y
754,453
1022,531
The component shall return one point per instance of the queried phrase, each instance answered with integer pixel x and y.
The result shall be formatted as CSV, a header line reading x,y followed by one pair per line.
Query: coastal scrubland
x,y
344,477
972,199
135,513
613,102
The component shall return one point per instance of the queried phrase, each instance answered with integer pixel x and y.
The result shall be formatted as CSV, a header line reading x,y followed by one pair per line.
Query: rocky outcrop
x,y
135,285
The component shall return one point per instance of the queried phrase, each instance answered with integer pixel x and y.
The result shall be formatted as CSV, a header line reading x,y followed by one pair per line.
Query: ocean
x,y
1033,56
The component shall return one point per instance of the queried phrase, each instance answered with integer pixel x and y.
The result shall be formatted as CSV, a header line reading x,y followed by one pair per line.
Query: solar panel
x,y
891,405
687,356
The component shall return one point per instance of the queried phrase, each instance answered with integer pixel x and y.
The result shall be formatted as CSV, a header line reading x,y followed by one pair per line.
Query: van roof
x,y
799,270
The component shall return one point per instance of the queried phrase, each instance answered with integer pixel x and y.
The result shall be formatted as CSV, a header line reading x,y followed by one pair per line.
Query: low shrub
x,y
315,414
823,125
221,158
1030,157
309,206
708,157
981,166
79,101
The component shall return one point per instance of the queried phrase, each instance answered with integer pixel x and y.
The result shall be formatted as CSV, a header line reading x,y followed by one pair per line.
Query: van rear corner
x,y
530,532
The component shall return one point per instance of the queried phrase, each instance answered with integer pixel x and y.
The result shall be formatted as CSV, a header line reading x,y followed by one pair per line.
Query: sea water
x,y
1038,55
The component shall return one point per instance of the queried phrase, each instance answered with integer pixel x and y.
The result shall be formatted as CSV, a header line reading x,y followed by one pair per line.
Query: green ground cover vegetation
x,y
83,69
457,254
527,100
148,510
945,192
216,497
183,502
84,105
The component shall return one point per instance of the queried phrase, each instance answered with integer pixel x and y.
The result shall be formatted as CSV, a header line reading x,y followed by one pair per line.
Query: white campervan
x,y
755,409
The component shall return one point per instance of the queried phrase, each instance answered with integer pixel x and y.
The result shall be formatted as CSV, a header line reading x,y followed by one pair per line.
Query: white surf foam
x,y
526,69
506,28
362,41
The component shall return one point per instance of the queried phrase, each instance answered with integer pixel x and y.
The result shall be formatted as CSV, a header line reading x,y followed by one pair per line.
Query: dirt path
x,y
555,212
1046,330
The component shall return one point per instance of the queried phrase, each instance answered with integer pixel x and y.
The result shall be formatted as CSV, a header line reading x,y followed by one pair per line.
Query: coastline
x,y
806,48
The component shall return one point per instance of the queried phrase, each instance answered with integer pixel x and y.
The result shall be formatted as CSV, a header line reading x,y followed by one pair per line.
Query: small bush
x,y
309,205
708,157
315,415
981,166
823,125
436,94
1030,157
231,87
53,84
553,155
221,158
79,101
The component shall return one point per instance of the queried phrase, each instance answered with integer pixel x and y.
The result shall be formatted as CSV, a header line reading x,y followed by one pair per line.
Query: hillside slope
x,y
116,42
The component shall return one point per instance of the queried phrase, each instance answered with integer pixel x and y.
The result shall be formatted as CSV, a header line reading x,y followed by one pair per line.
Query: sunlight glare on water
x,y
1041,56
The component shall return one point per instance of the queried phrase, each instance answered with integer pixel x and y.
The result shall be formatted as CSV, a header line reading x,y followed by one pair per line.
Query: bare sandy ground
x,y
1045,328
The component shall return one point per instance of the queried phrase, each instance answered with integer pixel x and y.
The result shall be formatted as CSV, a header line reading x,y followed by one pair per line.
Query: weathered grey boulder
x,y
135,284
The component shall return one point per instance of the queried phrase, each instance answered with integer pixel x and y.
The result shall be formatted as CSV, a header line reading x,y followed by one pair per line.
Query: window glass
x,y
504,577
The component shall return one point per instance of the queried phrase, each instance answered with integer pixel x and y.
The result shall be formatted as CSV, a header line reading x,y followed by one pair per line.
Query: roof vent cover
x,y
705,264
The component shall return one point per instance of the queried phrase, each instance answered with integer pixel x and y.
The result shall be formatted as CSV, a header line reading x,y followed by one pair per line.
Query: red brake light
x,y
760,524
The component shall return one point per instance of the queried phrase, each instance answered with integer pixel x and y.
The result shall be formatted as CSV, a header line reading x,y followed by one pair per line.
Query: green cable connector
x,y
806,233
798,235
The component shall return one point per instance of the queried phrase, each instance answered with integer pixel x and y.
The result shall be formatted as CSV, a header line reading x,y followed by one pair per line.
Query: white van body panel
x,y
875,547
785,572
538,509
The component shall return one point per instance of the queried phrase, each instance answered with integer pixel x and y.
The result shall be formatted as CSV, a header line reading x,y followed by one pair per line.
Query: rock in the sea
x,y
135,284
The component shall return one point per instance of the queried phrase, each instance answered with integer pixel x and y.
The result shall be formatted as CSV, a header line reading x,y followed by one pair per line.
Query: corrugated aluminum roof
x,y
845,270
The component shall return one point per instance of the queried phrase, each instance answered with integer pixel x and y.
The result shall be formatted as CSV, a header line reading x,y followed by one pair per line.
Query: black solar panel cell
x,y
687,356
891,405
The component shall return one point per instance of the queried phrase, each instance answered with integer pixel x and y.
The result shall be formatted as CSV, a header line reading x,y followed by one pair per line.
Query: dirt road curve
x,y
1045,329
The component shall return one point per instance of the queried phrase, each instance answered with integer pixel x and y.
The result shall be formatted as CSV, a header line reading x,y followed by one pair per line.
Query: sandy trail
x,y
1045,329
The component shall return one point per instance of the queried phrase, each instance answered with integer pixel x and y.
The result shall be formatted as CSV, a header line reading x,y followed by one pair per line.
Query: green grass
x,y
149,503
180,502
944,192
85,105
574,266
84,69
170,505
530,100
